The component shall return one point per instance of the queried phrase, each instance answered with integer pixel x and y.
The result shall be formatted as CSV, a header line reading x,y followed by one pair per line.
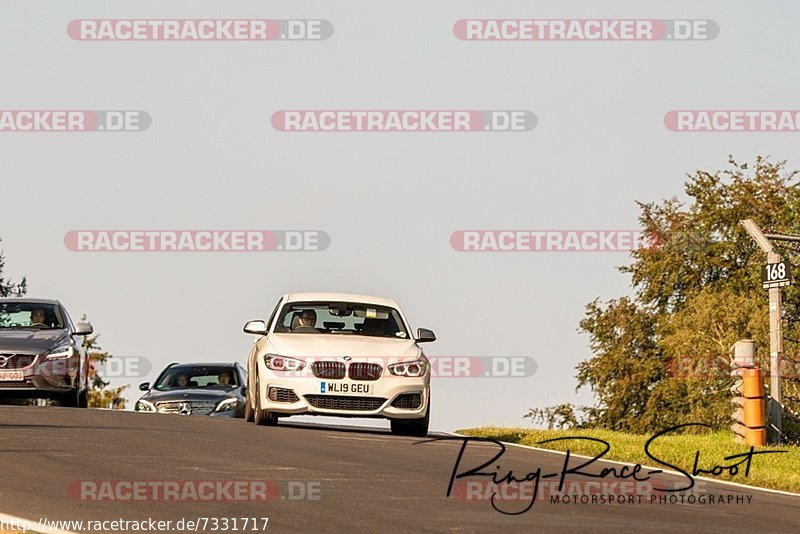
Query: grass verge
x,y
775,471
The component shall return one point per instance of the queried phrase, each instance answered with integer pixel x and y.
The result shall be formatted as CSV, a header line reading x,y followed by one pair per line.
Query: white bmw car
x,y
342,355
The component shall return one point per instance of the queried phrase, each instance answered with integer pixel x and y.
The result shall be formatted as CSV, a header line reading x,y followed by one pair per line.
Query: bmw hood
x,y
337,345
31,341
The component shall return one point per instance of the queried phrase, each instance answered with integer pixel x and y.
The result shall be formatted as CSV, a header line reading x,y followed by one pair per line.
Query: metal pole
x,y
775,337
775,357
780,237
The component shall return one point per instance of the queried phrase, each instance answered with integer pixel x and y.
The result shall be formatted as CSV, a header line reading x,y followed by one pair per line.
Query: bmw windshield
x,y
343,318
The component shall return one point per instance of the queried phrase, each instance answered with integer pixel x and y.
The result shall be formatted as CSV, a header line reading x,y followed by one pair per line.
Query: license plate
x,y
12,375
345,388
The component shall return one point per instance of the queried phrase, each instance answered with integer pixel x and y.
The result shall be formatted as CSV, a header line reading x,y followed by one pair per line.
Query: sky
x,y
388,200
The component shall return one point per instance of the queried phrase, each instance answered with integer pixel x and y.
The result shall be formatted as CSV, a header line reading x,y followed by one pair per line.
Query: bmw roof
x,y
340,297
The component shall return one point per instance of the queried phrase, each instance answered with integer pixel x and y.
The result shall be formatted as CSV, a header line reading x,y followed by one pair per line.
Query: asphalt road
x,y
359,480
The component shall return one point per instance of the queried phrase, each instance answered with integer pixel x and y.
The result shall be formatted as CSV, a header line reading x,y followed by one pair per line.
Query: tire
x,y
249,413
412,427
70,400
83,399
263,417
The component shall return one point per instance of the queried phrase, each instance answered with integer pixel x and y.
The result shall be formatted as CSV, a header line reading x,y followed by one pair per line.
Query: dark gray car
x,y
42,352
215,389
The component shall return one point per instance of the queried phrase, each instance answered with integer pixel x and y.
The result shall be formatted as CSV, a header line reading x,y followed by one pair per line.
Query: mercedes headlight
x,y
145,406
227,405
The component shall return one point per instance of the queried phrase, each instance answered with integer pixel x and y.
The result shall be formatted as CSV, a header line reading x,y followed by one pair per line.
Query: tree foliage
x,y
8,288
660,355
100,395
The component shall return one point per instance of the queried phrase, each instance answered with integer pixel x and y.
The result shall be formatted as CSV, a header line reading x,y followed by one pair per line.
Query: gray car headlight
x,y
61,353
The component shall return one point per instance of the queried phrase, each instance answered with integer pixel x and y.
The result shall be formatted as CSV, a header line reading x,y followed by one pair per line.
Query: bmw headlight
x,y
61,353
414,368
145,406
282,363
227,405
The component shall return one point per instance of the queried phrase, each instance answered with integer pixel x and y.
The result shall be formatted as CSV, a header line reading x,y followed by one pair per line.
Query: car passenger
x,y
225,378
182,381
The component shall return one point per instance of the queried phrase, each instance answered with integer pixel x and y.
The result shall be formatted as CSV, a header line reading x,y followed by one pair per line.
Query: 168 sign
x,y
776,275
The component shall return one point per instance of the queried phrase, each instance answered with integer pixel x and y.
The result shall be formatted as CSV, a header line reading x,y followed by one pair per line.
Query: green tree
x,y
100,395
8,288
660,355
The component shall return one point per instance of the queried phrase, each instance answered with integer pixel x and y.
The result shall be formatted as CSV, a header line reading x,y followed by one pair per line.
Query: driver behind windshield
x,y
182,381
38,317
306,322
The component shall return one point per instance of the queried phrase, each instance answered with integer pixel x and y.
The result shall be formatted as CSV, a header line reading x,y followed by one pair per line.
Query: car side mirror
x,y
425,336
144,386
83,329
256,327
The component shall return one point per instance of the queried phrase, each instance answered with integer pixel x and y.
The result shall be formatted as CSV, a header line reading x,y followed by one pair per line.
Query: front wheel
x,y
412,427
83,399
249,413
76,399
